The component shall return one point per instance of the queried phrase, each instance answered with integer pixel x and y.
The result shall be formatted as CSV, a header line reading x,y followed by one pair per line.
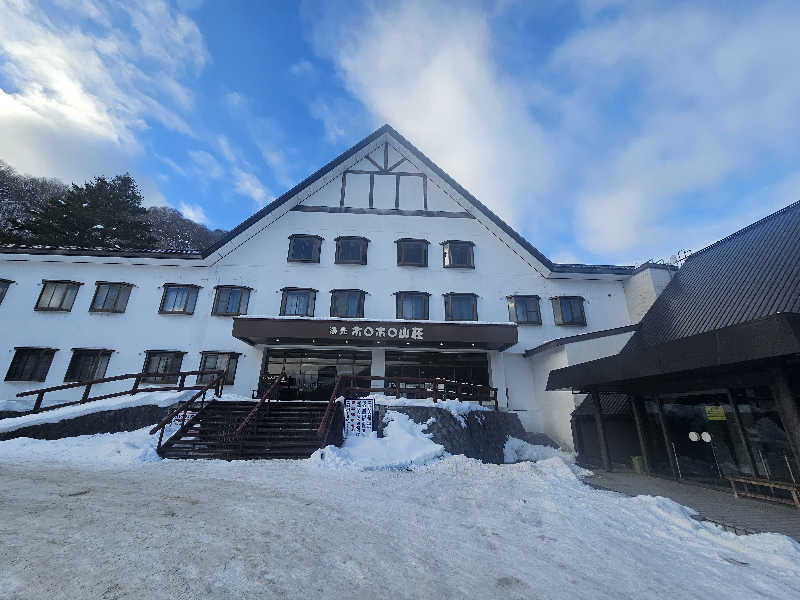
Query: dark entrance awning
x,y
750,343
363,332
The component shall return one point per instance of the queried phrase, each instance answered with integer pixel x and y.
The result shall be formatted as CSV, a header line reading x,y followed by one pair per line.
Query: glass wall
x,y
469,367
309,374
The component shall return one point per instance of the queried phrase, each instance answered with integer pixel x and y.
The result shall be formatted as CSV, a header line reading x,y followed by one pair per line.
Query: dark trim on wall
x,y
383,211
579,338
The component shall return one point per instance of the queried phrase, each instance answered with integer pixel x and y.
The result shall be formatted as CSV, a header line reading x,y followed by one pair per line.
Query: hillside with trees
x,y
105,213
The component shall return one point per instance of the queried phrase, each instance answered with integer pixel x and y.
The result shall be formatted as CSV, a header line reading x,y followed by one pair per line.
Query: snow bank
x,y
97,451
403,446
70,412
456,407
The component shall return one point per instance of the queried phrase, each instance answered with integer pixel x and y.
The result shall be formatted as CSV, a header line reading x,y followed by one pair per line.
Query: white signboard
x,y
358,416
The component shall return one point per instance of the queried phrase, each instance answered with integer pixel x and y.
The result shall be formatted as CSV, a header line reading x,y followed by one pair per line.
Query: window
x,y
178,299
30,364
58,295
4,283
231,300
351,250
412,305
110,297
524,309
458,254
87,364
162,361
412,253
298,301
461,307
568,310
218,361
347,303
304,248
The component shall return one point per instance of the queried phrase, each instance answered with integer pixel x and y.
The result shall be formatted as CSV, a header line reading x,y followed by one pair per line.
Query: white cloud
x,y
194,212
206,165
248,184
302,67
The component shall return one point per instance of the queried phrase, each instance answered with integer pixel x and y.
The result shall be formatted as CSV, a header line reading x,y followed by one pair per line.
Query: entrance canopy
x,y
365,332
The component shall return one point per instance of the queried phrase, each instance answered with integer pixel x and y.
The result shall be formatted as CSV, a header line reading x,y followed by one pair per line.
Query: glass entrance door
x,y
310,374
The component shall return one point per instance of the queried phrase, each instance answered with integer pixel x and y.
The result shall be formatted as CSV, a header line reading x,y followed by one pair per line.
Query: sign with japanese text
x,y
358,416
715,413
397,332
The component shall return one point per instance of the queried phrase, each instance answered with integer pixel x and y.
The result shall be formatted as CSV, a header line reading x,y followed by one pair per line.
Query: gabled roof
x,y
750,274
386,129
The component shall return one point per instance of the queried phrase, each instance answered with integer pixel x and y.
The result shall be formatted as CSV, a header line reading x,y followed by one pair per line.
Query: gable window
x,y
461,307
412,253
58,295
231,300
304,248
110,297
568,310
298,302
351,250
4,283
178,299
524,309
87,364
30,364
218,361
157,362
458,255
347,303
412,305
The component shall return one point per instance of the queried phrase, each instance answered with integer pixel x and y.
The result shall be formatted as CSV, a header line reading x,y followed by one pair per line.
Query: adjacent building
x,y
379,263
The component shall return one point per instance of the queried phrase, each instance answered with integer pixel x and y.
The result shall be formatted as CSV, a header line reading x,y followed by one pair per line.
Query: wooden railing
x,y
265,399
135,388
185,407
436,388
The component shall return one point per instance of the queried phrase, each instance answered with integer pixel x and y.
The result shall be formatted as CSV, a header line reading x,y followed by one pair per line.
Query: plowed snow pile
x,y
115,523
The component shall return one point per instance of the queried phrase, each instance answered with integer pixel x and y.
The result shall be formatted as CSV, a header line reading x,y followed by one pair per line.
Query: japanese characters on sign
x,y
400,333
358,416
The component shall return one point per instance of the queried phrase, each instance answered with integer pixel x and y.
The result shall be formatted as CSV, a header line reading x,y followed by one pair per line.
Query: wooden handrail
x,y
264,398
142,375
324,426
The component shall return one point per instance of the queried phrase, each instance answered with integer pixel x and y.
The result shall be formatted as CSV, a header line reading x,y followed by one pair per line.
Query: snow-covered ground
x,y
101,517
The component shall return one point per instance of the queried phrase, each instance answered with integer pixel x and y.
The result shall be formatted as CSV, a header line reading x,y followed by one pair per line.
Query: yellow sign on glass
x,y
715,413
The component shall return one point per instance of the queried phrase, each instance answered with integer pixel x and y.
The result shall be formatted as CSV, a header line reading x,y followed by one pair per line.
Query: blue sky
x,y
604,131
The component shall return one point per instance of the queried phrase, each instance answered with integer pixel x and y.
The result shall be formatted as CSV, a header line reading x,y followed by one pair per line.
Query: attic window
x,y
568,310
304,248
351,250
458,255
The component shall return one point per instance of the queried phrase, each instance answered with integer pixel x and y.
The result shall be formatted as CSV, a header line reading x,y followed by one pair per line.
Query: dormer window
x,y
347,303
351,250
457,254
568,310
460,307
304,248
412,252
524,310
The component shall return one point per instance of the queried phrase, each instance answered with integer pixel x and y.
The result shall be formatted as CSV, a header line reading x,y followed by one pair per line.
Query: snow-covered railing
x,y
179,376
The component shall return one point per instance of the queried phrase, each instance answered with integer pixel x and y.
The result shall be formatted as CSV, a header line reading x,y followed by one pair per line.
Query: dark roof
x,y
750,274
554,267
612,404
579,338
78,251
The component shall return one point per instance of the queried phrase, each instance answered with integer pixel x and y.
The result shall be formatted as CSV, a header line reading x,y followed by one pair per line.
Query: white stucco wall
x,y
642,289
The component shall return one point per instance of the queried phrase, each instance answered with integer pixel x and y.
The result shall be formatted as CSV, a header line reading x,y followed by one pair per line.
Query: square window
x,y
218,361
158,362
304,248
351,250
87,364
298,302
58,295
459,255
524,309
412,253
30,364
568,310
231,300
461,307
178,299
412,305
347,303
111,297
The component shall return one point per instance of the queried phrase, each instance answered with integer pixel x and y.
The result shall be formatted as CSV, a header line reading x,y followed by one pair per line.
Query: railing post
x,y
38,404
160,437
136,381
435,389
182,382
86,393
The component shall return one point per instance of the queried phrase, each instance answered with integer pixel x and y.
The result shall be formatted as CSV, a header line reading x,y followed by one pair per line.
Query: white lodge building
x,y
377,263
